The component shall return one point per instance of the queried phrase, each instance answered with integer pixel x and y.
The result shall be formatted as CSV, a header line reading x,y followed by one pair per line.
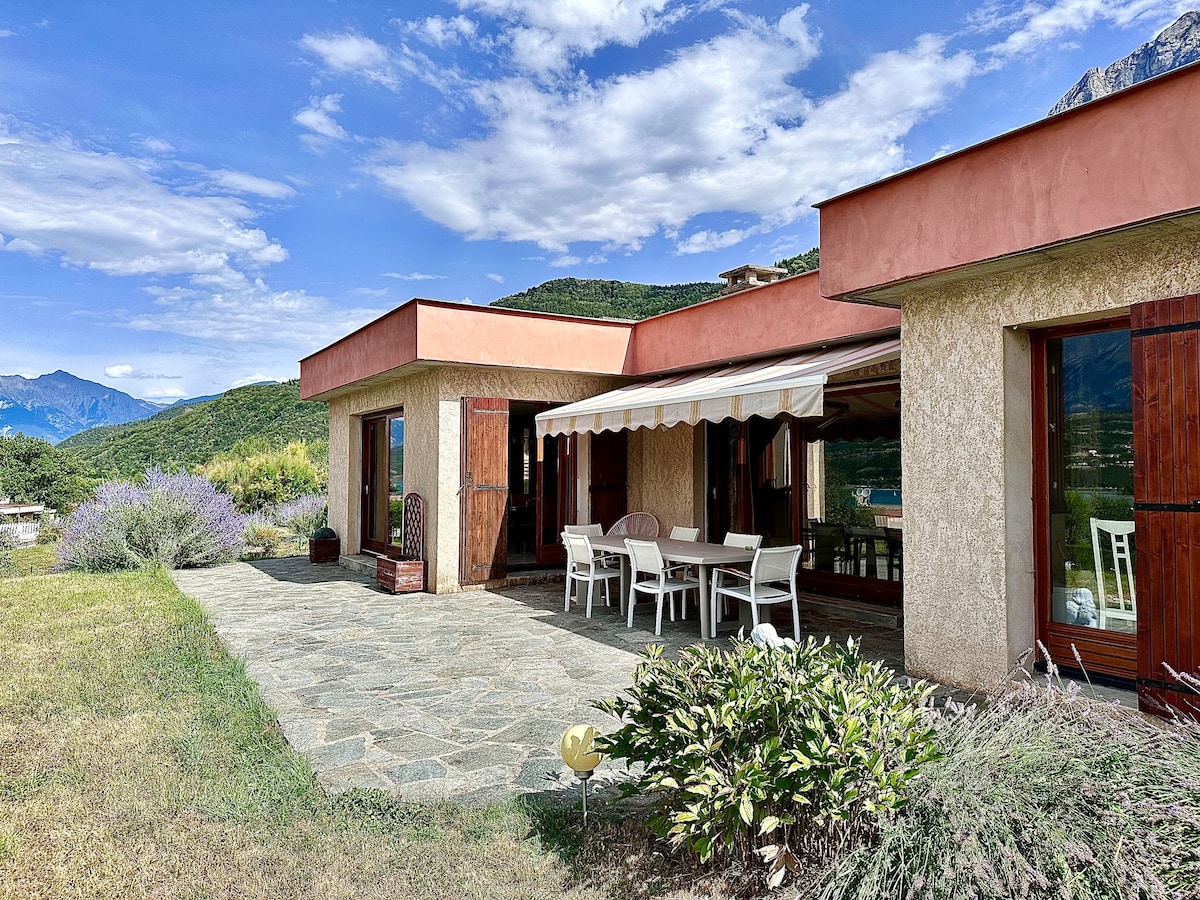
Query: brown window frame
x,y
1109,654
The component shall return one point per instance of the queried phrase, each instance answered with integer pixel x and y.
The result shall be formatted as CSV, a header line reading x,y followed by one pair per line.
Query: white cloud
x,y
496,277
1045,23
109,213
350,53
373,293
246,312
544,36
157,145
413,276
256,378
244,183
124,370
5,33
441,31
164,394
720,128
318,117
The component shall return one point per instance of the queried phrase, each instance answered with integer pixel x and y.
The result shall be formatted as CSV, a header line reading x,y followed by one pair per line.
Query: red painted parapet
x,y
1128,158
775,318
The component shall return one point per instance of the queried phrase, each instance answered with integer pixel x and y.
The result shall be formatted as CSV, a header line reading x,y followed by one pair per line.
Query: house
x,y
23,520
1048,284
717,406
1044,290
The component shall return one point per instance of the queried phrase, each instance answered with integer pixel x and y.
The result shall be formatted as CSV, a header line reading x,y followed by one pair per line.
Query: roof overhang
x,y
1113,169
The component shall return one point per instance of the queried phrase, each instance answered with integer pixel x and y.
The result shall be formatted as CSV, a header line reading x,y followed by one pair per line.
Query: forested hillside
x,y
264,415
598,299
608,299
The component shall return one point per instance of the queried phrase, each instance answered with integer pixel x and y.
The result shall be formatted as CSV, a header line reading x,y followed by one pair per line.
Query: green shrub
x,y
1043,793
265,478
780,755
262,538
49,532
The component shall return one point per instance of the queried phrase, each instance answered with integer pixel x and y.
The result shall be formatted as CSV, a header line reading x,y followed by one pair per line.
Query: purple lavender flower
x,y
303,516
171,520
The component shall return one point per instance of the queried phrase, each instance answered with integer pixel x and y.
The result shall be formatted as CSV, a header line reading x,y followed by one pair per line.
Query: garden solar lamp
x,y
577,752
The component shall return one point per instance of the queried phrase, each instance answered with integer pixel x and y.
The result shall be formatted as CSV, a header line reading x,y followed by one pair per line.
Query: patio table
x,y
695,553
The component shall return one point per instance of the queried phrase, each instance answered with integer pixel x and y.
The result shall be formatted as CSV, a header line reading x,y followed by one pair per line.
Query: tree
x,y
803,262
35,471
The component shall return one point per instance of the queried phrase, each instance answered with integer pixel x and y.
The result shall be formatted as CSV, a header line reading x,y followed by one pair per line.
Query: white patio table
x,y
695,553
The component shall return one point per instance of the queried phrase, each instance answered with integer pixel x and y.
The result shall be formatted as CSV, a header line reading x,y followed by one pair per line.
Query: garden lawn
x,y
137,760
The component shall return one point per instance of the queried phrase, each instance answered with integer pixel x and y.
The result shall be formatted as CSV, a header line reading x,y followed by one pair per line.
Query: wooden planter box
x,y
400,576
324,550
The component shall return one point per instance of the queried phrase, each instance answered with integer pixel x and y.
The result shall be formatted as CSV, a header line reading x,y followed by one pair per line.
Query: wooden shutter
x,y
1166,489
608,485
484,548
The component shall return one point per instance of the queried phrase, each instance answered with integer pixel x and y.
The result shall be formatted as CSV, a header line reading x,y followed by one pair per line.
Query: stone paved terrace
x,y
462,695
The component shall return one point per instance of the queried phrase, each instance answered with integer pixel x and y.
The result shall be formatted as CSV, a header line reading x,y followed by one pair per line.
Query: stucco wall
x,y
662,476
432,402
967,443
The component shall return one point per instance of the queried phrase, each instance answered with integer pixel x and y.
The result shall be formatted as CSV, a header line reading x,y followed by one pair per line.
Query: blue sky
x,y
194,196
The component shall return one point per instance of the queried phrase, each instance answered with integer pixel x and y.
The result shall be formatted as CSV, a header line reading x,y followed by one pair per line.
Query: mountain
x,y
188,435
58,405
598,299
1177,46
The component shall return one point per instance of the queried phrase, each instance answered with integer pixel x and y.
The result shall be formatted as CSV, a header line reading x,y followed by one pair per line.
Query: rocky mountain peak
x,y
1176,46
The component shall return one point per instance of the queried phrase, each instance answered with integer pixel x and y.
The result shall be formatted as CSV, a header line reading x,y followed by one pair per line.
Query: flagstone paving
x,y
463,695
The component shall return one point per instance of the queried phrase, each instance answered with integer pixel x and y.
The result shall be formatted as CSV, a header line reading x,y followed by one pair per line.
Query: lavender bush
x,y
173,521
302,516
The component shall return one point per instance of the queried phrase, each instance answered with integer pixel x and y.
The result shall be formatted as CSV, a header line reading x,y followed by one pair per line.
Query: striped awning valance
x,y
766,387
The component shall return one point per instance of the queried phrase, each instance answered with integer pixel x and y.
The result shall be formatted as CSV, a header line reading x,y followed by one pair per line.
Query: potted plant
x,y
324,546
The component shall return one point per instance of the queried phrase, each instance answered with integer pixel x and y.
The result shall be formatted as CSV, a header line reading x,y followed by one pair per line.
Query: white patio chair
x,y
594,530
636,525
747,541
645,557
1118,532
680,533
770,565
584,566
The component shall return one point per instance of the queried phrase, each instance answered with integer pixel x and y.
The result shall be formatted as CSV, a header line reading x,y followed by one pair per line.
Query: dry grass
x,y
136,760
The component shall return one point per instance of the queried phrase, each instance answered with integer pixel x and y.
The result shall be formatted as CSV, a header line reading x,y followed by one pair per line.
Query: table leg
x,y
707,629
624,586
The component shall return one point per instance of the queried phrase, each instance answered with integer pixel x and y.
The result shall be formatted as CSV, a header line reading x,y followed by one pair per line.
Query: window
x,y
1089,480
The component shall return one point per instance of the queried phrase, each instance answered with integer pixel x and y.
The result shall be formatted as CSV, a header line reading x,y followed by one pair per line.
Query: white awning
x,y
765,387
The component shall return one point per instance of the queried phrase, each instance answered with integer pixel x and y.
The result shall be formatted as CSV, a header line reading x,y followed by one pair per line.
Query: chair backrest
x,y
775,564
680,533
579,549
1118,531
595,529
638,525
751,541
644,556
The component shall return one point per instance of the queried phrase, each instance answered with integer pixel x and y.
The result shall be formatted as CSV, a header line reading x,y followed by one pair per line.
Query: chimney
x,y
749,276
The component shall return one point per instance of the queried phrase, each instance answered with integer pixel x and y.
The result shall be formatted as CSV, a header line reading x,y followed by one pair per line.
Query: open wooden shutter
x,y
484,548
1166,489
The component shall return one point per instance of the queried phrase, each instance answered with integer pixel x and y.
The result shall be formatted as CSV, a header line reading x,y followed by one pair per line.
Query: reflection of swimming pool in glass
x,y
885,497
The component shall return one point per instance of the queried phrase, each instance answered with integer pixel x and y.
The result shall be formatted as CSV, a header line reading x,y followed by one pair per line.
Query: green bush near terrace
x,y
1041,794
777,757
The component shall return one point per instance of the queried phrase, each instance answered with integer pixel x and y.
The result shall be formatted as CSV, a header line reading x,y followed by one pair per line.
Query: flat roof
x,y
1128,158
768,319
